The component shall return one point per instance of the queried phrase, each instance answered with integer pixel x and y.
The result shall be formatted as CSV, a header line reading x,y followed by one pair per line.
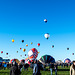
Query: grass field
x,y
61,71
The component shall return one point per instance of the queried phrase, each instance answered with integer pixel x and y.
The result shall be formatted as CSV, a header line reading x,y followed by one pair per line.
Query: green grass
x,y
62,71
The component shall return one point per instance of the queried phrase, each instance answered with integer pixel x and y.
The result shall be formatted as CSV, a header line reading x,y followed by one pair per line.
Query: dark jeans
x,y
55,72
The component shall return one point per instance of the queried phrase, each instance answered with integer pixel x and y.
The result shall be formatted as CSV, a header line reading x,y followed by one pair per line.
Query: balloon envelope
x,y
67,48
67,60
47,59
1,51
52,46
20,48
45,20
72,53
16,60
13,40
26,45
22,61
6,53
32,54
17,51
24,50
47,35
31,43
21,55
38,44
22,41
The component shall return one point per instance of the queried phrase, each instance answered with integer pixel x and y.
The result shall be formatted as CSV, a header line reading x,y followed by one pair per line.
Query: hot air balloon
x,y
22,61
16,60
26,45
38,44
47,35
32,54
17,51
1,51
47,59
6,53
67,60
20,48
21,55
38,52
67,48
27,61
24,50
72,53
22,41
25,54
52,46
13,40
31,43
45,20
59,61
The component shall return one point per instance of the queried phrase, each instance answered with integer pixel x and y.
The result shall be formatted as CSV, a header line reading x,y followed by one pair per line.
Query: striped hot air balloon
x,y
12,60
67,60
47,59
32,54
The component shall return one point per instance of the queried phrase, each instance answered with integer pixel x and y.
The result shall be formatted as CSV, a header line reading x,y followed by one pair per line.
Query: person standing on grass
x,y
51,66
36,68
55,67
72,69
14,69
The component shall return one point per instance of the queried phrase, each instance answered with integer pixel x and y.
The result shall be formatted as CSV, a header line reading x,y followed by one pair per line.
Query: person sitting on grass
x,y
72,69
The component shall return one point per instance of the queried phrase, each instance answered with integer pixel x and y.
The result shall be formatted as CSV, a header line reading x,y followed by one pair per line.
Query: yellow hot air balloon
x,y
24,50
31,43
13,40
38,52
26,45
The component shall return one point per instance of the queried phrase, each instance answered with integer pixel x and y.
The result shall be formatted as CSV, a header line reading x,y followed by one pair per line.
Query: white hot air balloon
x,y
45,20
47,35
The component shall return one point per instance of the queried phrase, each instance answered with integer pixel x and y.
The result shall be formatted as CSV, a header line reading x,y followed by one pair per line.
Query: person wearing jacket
x,y
51,66
14,69
72,69
36,68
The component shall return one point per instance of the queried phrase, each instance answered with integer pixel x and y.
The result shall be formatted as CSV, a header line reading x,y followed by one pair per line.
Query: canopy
x,y
59,61
22,61
12,60
32,54
67,60
27,61
47,59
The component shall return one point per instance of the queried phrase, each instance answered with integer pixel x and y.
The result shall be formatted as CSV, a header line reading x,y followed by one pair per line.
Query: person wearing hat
x,y
72,69
14,69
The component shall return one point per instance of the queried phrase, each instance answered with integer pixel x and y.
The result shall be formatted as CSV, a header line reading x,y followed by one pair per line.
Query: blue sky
x,y
24,19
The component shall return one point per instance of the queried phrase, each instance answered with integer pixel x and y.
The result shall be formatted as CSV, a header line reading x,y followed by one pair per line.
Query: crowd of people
x,y
16,69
